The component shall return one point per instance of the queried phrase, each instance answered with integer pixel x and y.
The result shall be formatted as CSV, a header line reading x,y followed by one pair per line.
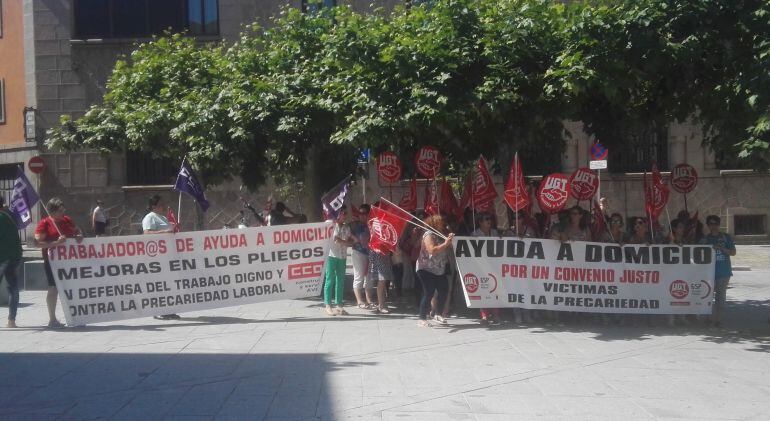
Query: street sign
x,y
36,164
363,156
29,125
599,152
598,165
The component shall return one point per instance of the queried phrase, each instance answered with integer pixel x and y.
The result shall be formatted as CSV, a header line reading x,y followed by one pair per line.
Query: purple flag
x,y
333,200
24,197
188,183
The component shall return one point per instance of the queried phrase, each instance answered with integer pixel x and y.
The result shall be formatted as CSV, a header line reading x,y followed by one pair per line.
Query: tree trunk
x,y
311,199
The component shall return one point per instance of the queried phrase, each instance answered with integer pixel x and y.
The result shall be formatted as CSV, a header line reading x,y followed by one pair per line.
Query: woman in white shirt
x,y
155,222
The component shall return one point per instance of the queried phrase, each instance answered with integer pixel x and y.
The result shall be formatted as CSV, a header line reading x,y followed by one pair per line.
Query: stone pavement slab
x,y
288,361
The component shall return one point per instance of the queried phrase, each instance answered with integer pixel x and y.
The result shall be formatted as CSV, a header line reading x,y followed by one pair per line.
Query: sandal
x,y
423,323
440,319
329,311
341,311
363,306
383,310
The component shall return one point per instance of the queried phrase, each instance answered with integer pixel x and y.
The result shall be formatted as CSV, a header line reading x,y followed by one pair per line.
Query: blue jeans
x,y
9,270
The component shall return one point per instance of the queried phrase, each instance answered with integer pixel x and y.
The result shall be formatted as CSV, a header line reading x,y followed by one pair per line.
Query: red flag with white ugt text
x,y
409,199
655,194
431,205
449,201
516,192
386,224
599,223
483,190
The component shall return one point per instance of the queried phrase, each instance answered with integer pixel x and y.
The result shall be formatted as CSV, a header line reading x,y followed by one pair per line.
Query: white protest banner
x,y
115,278
585,277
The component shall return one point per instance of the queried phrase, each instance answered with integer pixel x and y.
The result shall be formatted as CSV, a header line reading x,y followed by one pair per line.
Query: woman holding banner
x,y
50,232
484,228
155,222
639,231
615,233
724,247
575,228
520,226
431,268
335,264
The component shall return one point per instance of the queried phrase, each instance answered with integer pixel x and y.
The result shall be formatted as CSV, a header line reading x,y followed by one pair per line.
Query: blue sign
x,y
363,156
598,151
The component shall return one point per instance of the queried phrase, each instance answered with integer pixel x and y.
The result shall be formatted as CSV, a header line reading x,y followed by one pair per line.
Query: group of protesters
x,y
55,228
425,248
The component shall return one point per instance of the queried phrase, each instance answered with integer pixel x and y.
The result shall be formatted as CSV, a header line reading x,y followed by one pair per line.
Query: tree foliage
x,y
469,76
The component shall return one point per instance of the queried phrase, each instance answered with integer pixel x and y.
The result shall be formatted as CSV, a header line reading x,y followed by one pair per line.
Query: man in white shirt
x,y
99,219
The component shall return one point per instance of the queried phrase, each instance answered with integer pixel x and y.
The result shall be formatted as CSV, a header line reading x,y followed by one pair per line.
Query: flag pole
x,y
409,221
648,194
422,224
53,221
436,194
668,216
473,203
516,183
42,203
179,202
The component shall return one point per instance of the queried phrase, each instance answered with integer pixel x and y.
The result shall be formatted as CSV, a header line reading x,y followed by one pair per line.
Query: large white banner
x,y
585,277
114,278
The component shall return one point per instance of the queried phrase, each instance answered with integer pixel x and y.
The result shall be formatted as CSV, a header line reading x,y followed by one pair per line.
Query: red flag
x,y
386,224
449,201
431,205
172,219
516,192
483,187
409,199
478,189
599,225
655,194
465,197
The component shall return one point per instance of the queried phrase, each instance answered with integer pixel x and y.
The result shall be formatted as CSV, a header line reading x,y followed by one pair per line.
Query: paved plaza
x,y
288,361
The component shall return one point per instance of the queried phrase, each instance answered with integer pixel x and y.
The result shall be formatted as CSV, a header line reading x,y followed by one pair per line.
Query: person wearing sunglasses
x,y
615,233
724,247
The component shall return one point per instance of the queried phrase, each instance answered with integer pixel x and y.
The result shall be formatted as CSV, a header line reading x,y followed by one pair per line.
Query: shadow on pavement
x,y
745,322
154,386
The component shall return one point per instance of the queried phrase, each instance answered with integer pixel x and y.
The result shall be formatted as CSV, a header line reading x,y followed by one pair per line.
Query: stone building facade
x,y
61,57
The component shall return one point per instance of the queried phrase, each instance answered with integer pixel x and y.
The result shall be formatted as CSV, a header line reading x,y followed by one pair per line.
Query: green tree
x,y
468,76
